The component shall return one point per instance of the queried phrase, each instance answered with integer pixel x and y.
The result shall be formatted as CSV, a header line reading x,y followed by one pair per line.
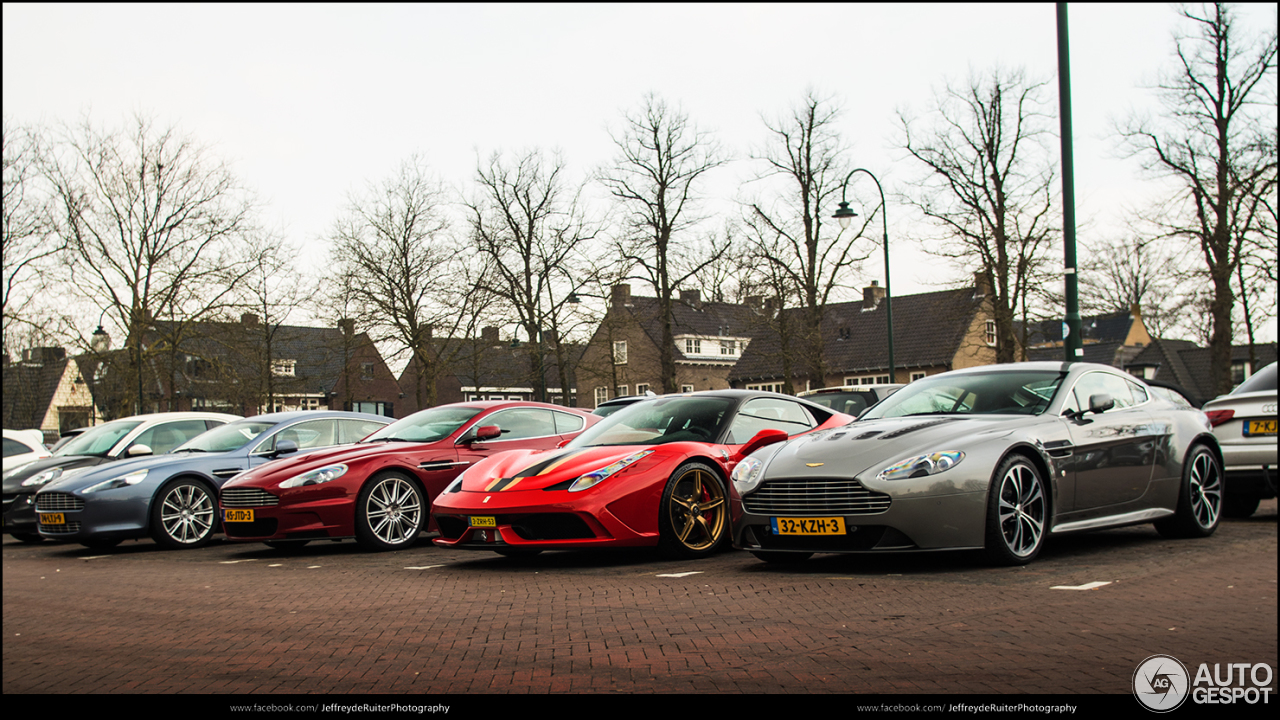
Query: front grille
x,y
67,529
58,502
248,497
814,497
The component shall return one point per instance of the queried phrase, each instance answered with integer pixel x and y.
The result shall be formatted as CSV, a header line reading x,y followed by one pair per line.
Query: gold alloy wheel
x,y
697,509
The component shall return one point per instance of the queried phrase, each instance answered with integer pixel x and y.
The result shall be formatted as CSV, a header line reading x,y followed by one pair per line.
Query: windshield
x,y
657,422
1264,379
99,440
231,436
427,426
1020,392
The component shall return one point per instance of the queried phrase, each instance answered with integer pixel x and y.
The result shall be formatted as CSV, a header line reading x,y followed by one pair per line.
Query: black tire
x,y
390,512
100,544
693,520
184,514
1239,507
782,558
285,544
27,538
1017,513
1200,498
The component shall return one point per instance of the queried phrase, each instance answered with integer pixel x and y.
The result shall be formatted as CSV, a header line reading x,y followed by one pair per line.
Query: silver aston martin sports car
x,y
994,458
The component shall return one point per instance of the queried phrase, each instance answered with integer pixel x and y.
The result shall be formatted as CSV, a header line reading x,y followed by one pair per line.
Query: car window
x,y
306,435
518,423
350,431
1100,382
166,436
768,413
568,422
849,403
1264,379
427,425
1172,396
231,436
1021,392
13,447
100,439
659,421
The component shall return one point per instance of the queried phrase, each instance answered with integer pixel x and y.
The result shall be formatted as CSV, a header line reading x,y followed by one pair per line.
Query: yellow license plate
x,y
808,526
1260,427
53,519
484,521
238,515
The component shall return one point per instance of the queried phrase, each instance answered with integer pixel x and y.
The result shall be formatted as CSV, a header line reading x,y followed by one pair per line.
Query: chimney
x,y
621,295
248,319
348,326
44,354
981,288
755,301
692,297
489,335
872,295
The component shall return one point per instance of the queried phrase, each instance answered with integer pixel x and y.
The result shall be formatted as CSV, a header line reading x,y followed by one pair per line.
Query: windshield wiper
x,y
191,449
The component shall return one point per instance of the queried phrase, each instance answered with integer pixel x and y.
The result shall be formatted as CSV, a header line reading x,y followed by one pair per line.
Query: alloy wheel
x,y
1022,510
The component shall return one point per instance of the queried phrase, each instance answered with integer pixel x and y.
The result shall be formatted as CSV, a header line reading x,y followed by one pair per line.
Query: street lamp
x,y
99,343
844,216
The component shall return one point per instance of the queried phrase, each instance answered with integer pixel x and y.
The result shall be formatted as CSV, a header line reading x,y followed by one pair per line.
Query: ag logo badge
x,y
1161,683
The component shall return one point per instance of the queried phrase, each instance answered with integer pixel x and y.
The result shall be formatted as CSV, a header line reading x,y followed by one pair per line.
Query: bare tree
x,y
989,187
529,222
787,229
1216,140
661,163
155,229
29,243
1138,270
393,249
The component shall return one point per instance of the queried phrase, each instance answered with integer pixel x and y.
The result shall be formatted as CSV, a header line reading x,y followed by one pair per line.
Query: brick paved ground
x,y
243,619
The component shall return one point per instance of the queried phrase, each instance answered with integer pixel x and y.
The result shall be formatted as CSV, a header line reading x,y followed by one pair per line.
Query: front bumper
x,y
325,516
20,513
527,520
86,518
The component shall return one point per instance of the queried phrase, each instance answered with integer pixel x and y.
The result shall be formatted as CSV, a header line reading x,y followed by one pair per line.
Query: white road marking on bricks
x,y
423,567
1086,586
683,574
233,562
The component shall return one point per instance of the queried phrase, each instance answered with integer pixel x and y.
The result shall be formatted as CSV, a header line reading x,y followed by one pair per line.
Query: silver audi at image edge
x,y
1244,421
995,459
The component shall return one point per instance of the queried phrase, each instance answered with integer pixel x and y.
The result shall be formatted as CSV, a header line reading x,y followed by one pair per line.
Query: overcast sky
x,y
309,102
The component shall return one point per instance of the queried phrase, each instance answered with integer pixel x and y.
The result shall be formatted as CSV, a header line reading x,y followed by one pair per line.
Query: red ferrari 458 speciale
x,y
652,474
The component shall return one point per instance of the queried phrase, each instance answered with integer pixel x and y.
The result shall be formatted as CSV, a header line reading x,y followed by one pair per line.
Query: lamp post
x,y
99,343
844,215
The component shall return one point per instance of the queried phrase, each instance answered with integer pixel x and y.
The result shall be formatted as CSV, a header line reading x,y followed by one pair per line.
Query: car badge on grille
x,y
486,498
814,464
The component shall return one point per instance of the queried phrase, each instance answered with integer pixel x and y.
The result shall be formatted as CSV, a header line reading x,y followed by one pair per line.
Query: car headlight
x,y
595,477
316,477
42,478
132,478
922,466
456,485
747,475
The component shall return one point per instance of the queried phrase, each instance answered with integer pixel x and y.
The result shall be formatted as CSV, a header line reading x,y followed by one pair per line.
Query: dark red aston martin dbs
x,y
654,473
379,490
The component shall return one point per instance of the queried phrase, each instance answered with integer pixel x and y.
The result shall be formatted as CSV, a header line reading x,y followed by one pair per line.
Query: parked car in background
x,y
129,437
22,447
379,491
652,474
851,399
1244,421
993,458
173,497
67,436
609,407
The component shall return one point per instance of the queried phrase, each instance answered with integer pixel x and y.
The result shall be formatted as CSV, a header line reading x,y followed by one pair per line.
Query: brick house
x,y
1111,339
47,390
933,332
623,355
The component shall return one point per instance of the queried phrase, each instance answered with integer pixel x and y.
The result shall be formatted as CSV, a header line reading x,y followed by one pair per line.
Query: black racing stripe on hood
x,y
538,467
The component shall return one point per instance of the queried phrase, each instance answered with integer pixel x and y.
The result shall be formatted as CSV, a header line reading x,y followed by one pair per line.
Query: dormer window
x,y
692,346
284,368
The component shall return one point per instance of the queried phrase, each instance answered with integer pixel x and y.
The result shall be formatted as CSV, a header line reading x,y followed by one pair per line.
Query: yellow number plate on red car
x,y
484,521
1254,428
238,516
53,519
808,526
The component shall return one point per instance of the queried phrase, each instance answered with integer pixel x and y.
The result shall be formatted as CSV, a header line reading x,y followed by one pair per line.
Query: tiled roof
x,y
1186,364
1113,327
495,365
928,331
704,319
28,389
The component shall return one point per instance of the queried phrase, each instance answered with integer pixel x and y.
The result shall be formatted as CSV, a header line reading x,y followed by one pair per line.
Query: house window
x,y
620,391
620,352
867,380
374,408
766,387
1239,371
686,388
728,347
917,376
642,388
693,346
602,394
284,368
366,371
991,333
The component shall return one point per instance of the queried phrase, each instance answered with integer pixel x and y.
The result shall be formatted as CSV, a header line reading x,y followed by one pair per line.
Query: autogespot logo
x,y
1161,683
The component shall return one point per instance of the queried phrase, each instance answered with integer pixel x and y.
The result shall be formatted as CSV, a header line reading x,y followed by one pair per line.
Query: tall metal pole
x,y
1071,340
844,214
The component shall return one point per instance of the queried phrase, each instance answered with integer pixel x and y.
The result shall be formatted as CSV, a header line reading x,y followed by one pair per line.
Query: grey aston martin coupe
x,y
995,458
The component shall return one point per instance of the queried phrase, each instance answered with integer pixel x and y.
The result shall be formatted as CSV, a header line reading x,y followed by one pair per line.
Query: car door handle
x,y
432,465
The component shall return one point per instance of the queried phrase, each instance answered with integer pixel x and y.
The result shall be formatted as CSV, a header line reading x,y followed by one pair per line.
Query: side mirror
x,y
487,432
284,447
765,437
1101,402
138,450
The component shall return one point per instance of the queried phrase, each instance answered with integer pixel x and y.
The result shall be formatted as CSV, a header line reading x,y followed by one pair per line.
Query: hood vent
x,y
913,428
868,434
